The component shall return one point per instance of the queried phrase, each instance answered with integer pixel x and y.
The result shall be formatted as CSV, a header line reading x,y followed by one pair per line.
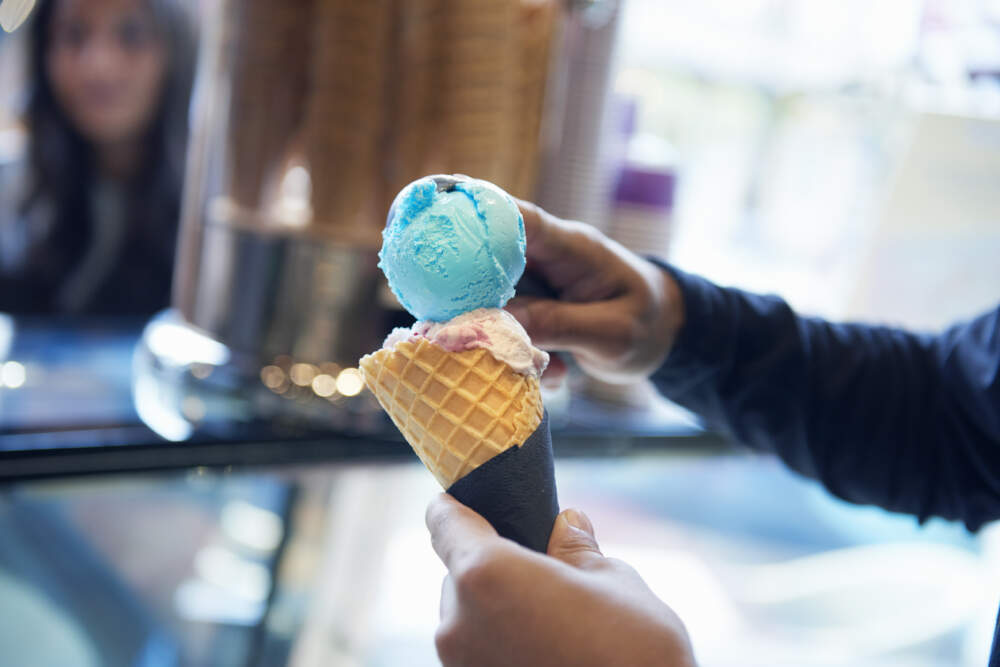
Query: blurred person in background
x,y
88,219
879,415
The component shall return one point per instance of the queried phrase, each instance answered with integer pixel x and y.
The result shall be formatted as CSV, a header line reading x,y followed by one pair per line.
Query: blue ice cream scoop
x,y
451,245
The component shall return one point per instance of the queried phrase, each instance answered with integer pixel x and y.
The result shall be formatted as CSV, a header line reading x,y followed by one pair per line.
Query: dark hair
x,y
62,173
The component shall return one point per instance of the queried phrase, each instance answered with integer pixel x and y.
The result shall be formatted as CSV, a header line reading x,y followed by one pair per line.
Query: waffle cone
x,y
456,409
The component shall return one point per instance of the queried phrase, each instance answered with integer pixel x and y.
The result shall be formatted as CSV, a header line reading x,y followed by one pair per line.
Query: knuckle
x,y
433,518
587,233
573,544
437,515
533,210
475,578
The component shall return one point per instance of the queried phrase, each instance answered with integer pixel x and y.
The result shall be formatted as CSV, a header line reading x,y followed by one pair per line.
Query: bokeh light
x,y
302,374
324,385
12,374
272,377
350,382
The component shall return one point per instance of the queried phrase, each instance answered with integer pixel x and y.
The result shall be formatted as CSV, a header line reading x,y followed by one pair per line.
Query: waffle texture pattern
x,y
456,409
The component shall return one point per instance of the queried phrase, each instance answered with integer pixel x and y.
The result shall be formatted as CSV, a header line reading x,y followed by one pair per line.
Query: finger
x,y
456,531
573,542
533,283
546,237
572,257
561,325
536,221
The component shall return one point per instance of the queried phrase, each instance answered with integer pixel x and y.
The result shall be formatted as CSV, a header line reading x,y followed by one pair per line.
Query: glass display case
x,y
263,545
215,488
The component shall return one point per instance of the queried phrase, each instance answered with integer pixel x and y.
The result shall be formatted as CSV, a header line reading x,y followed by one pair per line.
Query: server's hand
x,y
503,605
617,313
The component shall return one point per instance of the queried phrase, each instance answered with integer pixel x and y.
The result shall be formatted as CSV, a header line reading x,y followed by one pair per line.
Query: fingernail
x,y
579,520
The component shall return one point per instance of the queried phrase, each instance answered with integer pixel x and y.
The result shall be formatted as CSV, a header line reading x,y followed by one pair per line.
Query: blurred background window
x,y
842,154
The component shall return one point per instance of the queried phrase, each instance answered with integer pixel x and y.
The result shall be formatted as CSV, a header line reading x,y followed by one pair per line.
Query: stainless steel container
x,y
267,294
308,116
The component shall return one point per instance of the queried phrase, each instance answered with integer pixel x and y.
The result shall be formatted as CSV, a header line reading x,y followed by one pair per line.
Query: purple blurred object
x,y
646,186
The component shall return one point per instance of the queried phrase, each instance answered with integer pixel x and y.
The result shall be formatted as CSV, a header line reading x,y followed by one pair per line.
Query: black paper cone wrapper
x,y
516,490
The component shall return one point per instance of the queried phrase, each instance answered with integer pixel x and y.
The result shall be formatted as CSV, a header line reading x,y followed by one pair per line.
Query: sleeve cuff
x,y
701,341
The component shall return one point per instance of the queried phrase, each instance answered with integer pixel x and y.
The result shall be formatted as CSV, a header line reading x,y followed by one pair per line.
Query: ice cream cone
x,y
456,409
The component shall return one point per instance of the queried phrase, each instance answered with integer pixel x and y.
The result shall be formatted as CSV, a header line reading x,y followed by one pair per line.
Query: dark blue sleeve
x,y
878,415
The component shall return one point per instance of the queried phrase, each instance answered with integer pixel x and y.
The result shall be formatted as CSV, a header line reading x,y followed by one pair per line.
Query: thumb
x,y
456,531
573,540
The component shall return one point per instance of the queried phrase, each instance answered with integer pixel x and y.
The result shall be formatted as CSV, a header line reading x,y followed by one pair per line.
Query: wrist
x,y
673,309
667,316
